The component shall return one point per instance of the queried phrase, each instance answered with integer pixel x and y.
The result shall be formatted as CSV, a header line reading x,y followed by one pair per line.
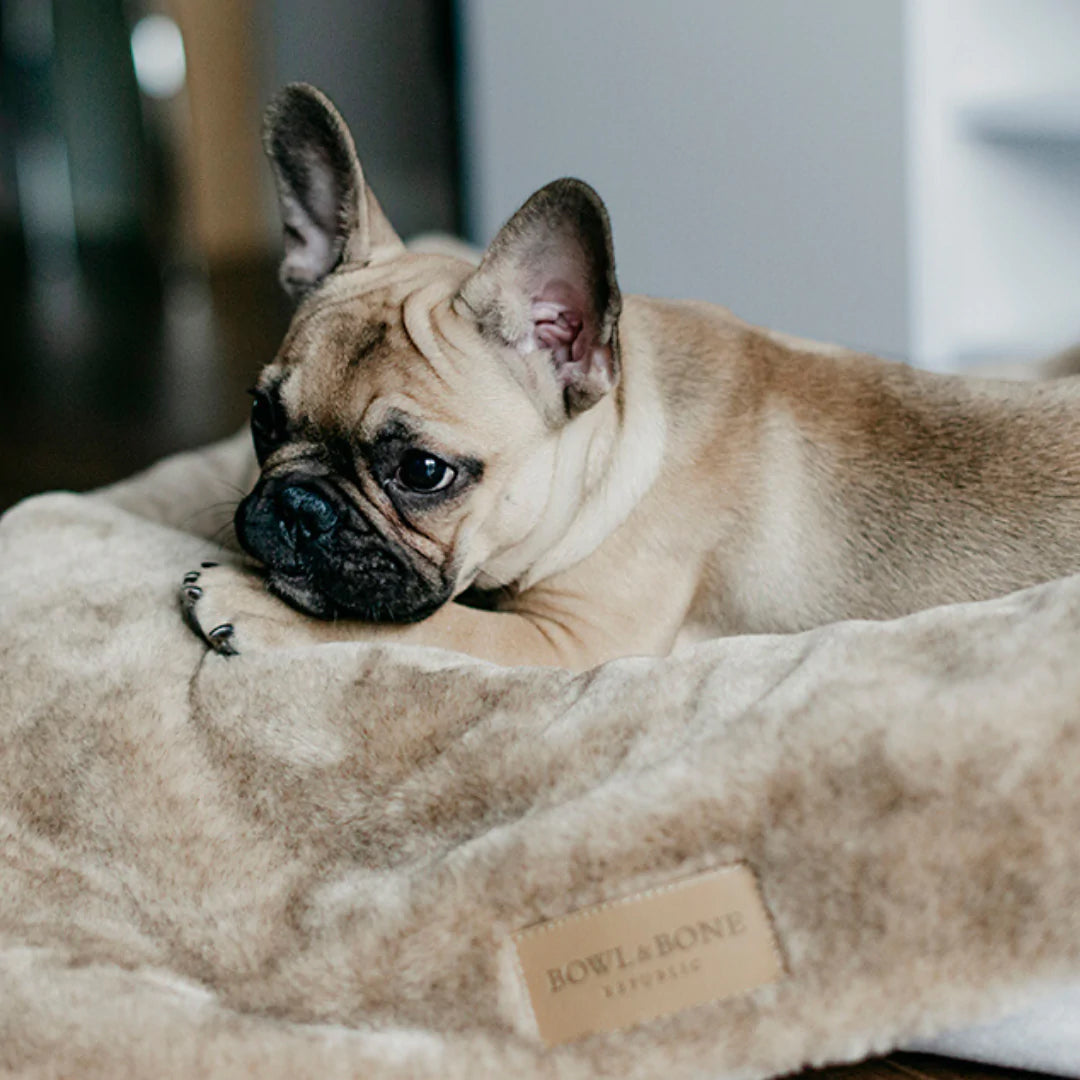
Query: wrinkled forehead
x,y
354,300
366,331
373,344
335,347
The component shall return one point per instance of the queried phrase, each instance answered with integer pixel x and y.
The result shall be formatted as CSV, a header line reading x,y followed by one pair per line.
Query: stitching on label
x,y
525,987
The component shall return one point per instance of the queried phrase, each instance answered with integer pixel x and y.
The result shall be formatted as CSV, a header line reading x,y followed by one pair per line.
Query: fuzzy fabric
x,y
309,863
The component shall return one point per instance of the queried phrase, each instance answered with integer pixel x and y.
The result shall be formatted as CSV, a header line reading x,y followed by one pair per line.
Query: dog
x,y
514,461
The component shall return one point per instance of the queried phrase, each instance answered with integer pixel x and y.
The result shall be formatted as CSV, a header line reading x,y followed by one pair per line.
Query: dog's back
x,y
843,486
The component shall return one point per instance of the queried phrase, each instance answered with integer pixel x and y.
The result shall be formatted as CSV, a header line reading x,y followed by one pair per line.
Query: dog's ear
x,y
546,287
328,213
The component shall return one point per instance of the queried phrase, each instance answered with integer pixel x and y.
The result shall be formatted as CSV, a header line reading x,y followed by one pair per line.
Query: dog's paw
x,y
200,602
232,612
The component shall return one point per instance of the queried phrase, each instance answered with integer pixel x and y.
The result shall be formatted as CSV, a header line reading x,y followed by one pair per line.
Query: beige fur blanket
x,y
311,863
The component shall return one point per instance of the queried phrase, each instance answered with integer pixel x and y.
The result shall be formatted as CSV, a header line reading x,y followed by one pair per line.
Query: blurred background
x,y
901,176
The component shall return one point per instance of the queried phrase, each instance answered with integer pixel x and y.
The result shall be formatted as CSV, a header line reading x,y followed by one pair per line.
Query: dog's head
x,y
417,425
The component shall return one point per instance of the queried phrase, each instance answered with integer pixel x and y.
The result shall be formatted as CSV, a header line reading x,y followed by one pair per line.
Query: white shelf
x,y
1048,118
969,356
994,167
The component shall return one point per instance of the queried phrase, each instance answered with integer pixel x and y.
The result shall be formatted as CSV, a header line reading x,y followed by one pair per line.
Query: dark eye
x,y
421,471
268,424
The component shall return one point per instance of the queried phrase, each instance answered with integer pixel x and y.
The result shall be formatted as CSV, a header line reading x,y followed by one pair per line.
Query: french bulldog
x,y
513,460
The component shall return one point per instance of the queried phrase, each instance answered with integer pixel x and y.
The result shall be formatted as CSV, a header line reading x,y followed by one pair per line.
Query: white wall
x,y
750,151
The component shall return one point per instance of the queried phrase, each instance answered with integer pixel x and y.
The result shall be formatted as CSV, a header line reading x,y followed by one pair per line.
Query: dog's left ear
x,y
329,214
546,287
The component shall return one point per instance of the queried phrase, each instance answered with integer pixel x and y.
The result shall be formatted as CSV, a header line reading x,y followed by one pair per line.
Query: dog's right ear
x,y
328,213
546,288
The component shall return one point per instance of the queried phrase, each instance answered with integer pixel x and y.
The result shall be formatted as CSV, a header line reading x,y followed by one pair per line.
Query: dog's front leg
x,y
233,612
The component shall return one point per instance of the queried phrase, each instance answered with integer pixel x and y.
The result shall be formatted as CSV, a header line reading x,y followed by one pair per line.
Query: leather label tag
x,y
616,964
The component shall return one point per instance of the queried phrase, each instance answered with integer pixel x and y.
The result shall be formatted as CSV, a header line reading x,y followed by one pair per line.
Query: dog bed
x,y
351,860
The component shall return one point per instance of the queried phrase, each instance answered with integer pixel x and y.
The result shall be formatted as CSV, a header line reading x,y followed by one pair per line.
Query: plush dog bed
x,y
316,862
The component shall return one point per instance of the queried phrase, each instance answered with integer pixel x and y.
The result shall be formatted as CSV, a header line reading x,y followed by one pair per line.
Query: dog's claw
x,y
205,566
220,639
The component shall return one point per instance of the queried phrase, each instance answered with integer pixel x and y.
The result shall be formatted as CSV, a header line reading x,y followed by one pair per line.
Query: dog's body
x,y
610,473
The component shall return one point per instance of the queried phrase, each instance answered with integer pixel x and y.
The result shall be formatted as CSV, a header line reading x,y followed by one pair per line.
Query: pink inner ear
x,y
555,326
558,321
561,323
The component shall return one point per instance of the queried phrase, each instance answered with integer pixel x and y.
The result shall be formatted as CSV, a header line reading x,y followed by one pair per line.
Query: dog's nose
x,y
306,514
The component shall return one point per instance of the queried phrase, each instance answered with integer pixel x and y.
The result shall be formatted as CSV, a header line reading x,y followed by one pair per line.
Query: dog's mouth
x,y
347,596
326,559
296,590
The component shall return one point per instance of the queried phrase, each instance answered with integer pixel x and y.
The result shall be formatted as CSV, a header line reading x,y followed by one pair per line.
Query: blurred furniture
x,y
139,234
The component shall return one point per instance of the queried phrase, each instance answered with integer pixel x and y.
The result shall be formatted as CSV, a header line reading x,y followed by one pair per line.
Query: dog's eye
x,y
268,424
424,472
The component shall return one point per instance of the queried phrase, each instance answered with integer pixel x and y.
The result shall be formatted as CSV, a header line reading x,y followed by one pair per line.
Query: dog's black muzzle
x,y
327,559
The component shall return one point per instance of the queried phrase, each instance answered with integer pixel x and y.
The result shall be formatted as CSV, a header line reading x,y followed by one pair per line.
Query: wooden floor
x,y
916,1067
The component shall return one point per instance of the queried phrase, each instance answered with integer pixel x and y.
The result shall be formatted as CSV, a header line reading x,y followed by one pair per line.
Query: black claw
x,y
192,593
207,565
192,575
220,639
